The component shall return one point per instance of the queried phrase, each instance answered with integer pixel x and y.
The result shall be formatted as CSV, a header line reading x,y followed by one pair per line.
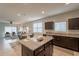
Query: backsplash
x,y
68,32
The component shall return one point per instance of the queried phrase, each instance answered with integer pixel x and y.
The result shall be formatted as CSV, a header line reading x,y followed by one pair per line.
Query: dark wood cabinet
x,y
73,24
45,50
67,42
39,51
57,41
49,25
49,49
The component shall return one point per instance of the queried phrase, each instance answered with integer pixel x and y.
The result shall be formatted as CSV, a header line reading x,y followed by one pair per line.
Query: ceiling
x,y
25,12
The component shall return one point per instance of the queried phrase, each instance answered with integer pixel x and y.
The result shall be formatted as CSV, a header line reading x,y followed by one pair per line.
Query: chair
x,y
7,34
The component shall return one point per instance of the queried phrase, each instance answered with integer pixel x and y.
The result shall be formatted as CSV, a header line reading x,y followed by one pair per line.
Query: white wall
x,y
57,18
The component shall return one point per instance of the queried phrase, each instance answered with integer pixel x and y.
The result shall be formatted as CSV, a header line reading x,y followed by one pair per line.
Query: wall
x,y
57,18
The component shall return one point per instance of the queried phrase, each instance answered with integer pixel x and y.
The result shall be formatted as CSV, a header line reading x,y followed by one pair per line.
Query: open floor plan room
x,y
39,29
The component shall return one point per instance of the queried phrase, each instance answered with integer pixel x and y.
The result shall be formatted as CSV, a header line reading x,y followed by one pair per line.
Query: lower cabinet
x,y
49,50
67,42
46,50
41,53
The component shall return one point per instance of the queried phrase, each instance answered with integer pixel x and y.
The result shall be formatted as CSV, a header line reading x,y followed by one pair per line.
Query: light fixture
x,y
18,14
11,22
67,3
43,12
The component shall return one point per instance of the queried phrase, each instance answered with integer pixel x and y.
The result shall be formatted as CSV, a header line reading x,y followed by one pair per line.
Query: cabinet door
x,y
49,49
67,42
39,51
49,25
73,24
57,41
72,43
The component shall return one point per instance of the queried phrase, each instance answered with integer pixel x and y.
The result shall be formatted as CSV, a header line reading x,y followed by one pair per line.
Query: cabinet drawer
x,y
49,43
39,50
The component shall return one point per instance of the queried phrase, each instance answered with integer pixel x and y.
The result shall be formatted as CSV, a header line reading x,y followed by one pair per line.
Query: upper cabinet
x,y
49,25
73,24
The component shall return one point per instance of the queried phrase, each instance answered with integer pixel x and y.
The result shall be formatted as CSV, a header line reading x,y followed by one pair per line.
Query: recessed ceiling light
x,y
43,12
18,14
25,3
67,3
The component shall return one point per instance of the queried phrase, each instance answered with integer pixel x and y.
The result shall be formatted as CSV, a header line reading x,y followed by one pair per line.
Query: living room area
x,y
41,29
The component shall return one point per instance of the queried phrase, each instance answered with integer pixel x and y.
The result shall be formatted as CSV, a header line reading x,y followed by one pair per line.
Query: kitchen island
x,y
33,47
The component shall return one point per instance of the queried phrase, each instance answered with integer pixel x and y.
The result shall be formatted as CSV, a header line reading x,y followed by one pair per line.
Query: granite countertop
x,y
33,44
65,34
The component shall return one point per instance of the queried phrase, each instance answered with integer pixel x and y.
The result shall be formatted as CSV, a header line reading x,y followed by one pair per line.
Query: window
x,y
10,29
37,27
60,26
21,29
27,29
